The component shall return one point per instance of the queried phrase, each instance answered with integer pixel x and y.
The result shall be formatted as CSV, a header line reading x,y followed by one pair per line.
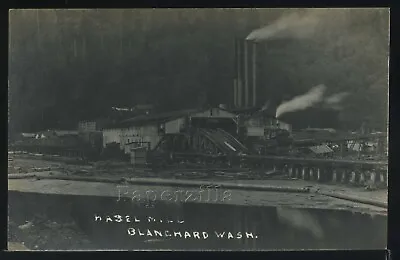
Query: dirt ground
x,y
24,164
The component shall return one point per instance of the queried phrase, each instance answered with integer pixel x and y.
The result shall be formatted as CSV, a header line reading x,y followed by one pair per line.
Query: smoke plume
x,y
293,25
335,100
312,97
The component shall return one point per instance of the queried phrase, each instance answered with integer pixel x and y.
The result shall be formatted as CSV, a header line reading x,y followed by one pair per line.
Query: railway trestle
x,y
323,170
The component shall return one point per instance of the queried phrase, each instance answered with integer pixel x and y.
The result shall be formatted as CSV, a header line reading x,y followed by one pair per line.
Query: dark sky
x,y
71,64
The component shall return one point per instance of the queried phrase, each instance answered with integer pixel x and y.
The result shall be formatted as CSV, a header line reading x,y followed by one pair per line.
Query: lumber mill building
x,y
147,130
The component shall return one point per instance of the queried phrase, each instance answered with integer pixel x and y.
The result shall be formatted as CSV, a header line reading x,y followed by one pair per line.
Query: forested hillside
x,y
65,65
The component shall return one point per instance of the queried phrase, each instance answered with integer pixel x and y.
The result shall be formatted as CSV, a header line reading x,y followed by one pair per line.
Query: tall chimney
x,y
246,75
235,92
239,68
235,75
254,69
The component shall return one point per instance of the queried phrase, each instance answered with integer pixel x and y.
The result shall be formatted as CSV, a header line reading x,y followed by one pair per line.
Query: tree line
x,y
67,65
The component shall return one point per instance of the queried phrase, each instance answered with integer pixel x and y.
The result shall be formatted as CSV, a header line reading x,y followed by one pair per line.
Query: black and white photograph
x,y
180,129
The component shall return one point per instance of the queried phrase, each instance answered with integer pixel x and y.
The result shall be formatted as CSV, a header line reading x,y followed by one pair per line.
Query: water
x,y
266,227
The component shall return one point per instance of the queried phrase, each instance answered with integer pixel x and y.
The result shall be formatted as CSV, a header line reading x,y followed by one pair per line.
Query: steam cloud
x,y
334,100
312,97
303,25
293,25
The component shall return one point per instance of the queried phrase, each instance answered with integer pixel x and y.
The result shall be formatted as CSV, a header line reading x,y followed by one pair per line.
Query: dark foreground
x,y
71,221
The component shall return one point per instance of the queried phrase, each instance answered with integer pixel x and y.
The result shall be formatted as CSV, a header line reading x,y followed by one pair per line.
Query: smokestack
x,y
239,71
254,74
246,75
235,104
235,74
